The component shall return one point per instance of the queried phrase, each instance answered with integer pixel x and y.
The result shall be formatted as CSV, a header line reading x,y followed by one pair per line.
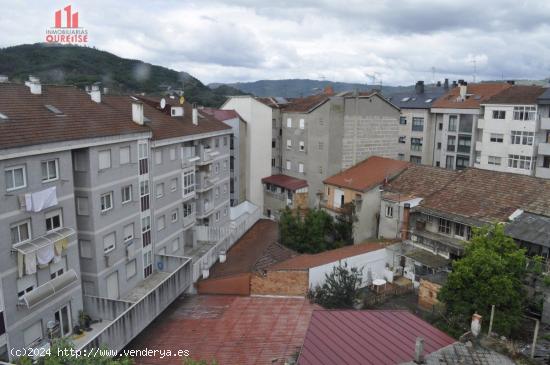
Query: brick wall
x,y
427,294
293,283
238,284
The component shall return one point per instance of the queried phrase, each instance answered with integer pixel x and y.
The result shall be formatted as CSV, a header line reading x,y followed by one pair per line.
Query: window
x,y
416,144
143,151
174,216
453,122
50,170
131,269
460,229
174,184
225,211
145,224
301,167
172,154
176,244
57,269
161,223
159,190
187,209
126,194
216,168
288,144
15,178
273,143
106,201
82,207
147,264
416,159
451,143
478,157
225,141
389,211
104,159
440,126
124,155
289,122
288,165
217,192
320,169
444,226
20,232
402,120
438,145
144,188
53,220
494,160
519,162
216,142
499,114
402,139
524,112
321,145
85,249
128,232
496,137
418,124
188,182
401,156
26,284
225,165
302,124
109,242
158,157
462,161
217,216
272,162
464,144
449,162
522,137
302,146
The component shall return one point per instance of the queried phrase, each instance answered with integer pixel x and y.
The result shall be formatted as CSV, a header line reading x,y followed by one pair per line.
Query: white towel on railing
x,y
45,254
30,263
42,200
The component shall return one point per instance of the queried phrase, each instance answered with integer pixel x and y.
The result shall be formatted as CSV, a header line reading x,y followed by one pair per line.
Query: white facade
x,y
422,131
259,122
508,139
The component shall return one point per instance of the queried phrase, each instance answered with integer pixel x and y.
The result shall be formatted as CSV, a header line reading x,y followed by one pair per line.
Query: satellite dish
x,y
162,103
182,100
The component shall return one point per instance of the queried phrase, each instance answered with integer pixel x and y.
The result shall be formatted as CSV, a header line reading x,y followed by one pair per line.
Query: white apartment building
x,y
543,150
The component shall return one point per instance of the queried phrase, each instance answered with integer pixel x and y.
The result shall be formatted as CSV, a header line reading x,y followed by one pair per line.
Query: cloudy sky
x,y
398,41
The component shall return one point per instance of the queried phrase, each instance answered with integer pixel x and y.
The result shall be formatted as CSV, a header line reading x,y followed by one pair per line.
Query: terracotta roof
x,y
30,122
479,94
307,261
221,114
367,174
362,337
269,101
285,181
162,124
306,104
419,181
517,94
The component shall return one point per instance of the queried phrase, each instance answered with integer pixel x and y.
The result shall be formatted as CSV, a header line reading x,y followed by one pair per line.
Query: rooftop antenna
x,y
433,75
372,77
475,68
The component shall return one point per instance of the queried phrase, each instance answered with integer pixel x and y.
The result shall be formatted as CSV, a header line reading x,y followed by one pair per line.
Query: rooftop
x,y
367,337
416,100
306,104
476,94
517,94
221,114
367,174
285,181
531,228
307,261
419,181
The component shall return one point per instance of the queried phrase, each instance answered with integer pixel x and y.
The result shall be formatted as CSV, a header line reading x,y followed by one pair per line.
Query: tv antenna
x,y
474,62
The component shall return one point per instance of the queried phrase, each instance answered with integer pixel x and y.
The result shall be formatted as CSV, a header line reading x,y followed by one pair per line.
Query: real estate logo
x,y
66,28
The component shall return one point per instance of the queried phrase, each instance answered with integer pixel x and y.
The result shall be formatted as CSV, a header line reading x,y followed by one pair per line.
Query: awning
x,y
43,241
48,289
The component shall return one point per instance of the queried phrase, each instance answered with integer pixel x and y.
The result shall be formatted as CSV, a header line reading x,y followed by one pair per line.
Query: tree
x,y
340,288
490,273
343,225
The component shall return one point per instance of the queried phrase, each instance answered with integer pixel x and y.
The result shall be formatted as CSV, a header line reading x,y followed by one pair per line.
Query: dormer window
x,y
53,109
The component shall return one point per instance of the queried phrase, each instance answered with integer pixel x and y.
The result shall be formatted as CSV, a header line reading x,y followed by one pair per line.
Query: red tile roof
x,y
517,94
367,174
221,114
420,181
285,181
356,337
480,93
306,104
307,261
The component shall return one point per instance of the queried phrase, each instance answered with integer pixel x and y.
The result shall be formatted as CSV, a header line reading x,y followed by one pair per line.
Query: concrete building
x,y
417,127
510,131
456,118
110,204
359,188
282,191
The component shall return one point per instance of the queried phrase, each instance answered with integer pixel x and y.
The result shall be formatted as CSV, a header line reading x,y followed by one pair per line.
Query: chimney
x,y
329,90
455,84
463,89
405,223
95,93
511,82
438,84
195,114
137,112
419,87
419,351
460,82
446,84
3,78
34,85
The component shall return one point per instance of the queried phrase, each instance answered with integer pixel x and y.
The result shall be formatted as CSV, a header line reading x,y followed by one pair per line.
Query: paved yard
x,y
233,330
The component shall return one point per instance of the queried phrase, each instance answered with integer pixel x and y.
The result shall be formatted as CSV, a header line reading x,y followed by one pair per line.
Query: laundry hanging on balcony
x,y
45,255
36,202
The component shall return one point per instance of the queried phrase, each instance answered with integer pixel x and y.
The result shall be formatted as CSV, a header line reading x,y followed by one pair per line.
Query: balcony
x,y
545,123
436,241
123,319
544,149
189,220
49,290
204,210
203,182
206,156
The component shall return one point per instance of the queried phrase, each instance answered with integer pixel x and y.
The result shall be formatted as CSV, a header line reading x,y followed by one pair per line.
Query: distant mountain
x,y
293,88
82,66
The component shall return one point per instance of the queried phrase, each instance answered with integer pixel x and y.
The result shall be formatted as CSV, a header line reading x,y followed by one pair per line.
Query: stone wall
x,y
284,283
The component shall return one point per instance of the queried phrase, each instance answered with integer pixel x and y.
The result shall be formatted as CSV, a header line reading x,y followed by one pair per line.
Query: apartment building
x,y
510,131
456,117
542,168
417,127
109,202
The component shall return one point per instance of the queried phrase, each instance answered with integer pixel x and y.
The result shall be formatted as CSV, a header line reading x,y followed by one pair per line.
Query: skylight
x,y
53,109
3,116
428,100
405,99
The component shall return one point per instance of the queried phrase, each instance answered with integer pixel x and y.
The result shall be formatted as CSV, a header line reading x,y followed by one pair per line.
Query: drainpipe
x,y
405,224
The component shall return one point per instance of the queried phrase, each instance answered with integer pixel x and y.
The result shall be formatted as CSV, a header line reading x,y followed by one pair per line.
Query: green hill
x,y
82,66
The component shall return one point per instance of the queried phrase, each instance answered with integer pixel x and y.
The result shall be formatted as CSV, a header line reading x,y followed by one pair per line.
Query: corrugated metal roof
x,y
531,228
367,337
